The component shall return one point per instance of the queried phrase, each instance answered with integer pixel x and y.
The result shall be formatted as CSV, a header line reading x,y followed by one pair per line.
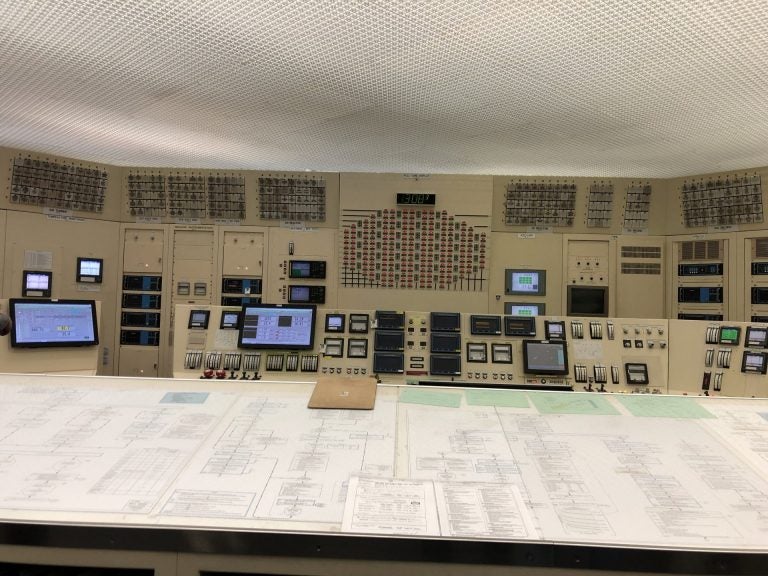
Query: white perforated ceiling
x,y
649,88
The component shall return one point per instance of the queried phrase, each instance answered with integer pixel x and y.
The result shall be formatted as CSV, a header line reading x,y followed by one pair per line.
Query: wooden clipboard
x,y
344,393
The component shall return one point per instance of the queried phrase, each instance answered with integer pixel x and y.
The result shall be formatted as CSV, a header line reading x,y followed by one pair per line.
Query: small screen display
x,y
388,363
445,321
519,326
277,326
479,325
528,282
36,283
730,335
53,323
390,320
334,322
445,342
554,329
89,270
523,309
299,269
542,357
757,336
754,362
388,340
298,294
445,364
198,318
229,320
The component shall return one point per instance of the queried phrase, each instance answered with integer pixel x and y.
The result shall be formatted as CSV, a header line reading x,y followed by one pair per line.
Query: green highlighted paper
x,y
496,398
664,406
570,403
418,395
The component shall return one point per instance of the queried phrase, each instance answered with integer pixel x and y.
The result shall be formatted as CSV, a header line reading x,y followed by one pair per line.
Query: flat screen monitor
x,y
264,326
730,335
36,283
587,300
335,322
388,362
754,362
90,270
525,282
545,357
524,309
53,323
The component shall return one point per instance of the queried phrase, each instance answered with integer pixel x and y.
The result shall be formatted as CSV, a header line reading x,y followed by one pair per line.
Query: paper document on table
x,y
483,509
391,506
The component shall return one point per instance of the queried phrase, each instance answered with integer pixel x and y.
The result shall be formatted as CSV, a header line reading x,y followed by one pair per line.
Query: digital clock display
x,y
412,199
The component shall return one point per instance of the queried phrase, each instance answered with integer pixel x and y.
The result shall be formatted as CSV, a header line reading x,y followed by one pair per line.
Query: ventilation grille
x,y
55,184
723,201
291,198
540,204
761,247
186,196
641,252
640,268
701,250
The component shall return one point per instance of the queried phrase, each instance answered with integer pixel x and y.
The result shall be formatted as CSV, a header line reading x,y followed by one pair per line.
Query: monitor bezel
x,y
26,291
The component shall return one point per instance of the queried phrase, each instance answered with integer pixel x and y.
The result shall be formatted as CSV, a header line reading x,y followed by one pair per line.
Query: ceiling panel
x,y
648,88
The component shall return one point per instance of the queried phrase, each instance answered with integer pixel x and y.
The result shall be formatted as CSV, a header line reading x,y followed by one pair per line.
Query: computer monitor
x,y
53,323
524,308
265,326
545,357
587,300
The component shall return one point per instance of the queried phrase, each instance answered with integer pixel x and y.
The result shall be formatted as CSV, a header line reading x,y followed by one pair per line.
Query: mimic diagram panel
x,y
302,342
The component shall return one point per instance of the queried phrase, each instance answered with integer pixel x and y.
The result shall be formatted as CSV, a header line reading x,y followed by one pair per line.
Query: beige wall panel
x,y
194,261
63,241
6,173
139,362
640,274
306,245
654,224
753,250
526,250
3,221
243,253
143,250
589,260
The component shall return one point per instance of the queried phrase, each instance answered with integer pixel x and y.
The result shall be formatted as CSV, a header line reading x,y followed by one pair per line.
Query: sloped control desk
x,y
228,477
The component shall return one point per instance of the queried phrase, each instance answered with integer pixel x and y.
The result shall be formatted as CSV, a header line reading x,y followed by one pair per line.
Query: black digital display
x,y
445,321
445,342
416,199
306,269
53,323
519,326
554,329
388,363
389,340
526,282
544,357
390,320
482,325
445,365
